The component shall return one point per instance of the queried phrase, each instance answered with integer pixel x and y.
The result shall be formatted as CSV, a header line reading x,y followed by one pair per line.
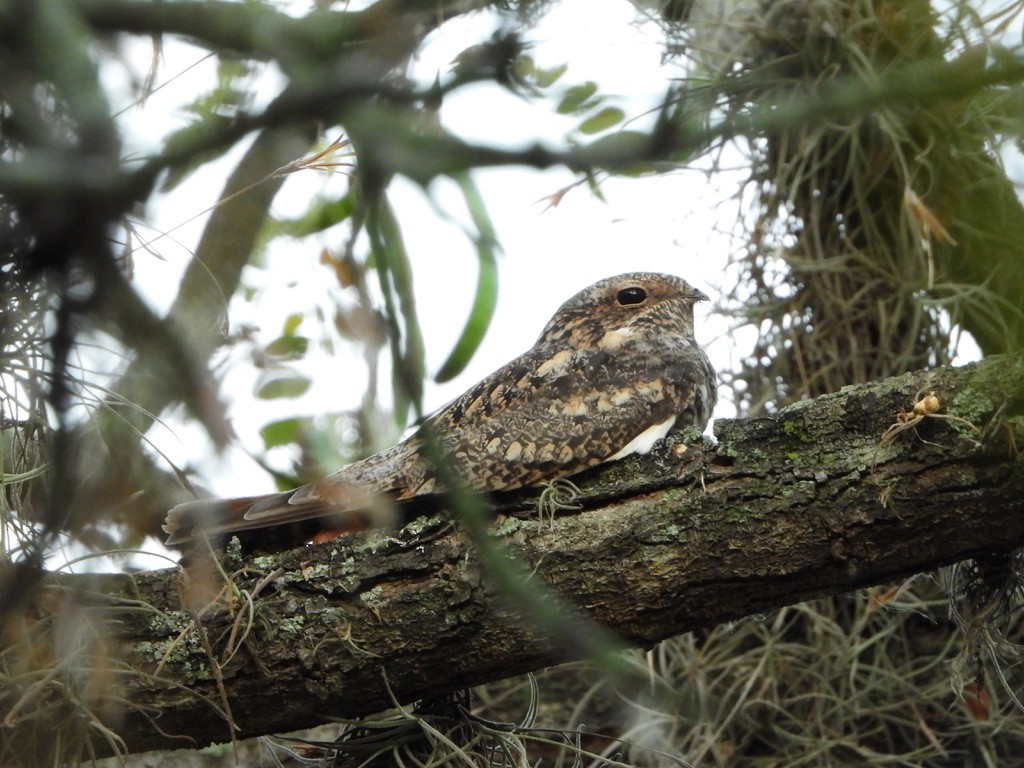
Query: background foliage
x,y
878,224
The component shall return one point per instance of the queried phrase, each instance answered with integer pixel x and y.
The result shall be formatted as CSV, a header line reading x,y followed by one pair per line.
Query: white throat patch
x,y
643,442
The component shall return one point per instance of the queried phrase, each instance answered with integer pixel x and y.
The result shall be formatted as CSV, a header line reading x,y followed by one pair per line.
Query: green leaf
x,y
288,347
391,261
548,77
282,387
322,214
526,69
486,298
602,121
291,324
594,185
577,98
283,432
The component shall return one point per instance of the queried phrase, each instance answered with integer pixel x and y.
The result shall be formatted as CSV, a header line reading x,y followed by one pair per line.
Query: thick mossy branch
x,y
808,502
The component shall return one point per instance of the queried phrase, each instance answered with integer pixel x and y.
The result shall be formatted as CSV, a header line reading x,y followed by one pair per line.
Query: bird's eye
x,y
634,295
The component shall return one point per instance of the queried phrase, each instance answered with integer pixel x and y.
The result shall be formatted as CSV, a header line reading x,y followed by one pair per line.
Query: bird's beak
x,y
700,295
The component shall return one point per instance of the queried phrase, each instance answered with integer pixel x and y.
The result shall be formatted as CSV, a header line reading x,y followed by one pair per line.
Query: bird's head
x,y
618,309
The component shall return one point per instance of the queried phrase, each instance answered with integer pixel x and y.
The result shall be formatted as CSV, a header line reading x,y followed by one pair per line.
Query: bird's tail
x,y
217,518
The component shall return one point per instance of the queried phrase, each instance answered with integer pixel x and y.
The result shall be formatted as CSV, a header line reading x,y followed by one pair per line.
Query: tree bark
x,y
808,502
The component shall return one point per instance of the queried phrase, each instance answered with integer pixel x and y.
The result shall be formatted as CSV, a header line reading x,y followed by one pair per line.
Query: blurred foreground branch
x,y
811,501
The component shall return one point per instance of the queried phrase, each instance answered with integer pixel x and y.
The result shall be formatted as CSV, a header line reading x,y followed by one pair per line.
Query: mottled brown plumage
x,y
616,368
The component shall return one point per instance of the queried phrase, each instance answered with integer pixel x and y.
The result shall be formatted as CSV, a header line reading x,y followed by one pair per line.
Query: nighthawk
x,y
615,370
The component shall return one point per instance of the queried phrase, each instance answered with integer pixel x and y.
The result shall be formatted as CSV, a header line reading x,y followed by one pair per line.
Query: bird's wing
x,y
545,416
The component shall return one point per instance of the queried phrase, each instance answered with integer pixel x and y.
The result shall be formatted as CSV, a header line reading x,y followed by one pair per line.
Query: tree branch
x,y
805,503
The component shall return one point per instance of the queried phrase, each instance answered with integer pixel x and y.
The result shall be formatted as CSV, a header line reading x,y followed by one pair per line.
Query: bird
x,y
616,369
